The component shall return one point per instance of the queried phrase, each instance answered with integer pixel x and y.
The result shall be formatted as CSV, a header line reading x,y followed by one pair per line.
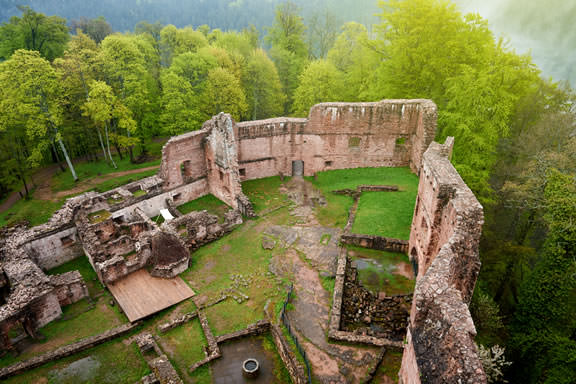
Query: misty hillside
x,y
223,14
543,28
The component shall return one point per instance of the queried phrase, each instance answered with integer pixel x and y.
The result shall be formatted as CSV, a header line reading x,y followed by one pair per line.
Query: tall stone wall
x,y
444,241
388,133
222,159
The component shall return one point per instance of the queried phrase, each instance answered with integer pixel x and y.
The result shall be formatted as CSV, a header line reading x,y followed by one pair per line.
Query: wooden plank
x,y
140,295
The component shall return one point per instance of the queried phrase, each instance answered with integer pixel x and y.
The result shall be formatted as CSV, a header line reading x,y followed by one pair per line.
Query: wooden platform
x,y
141,295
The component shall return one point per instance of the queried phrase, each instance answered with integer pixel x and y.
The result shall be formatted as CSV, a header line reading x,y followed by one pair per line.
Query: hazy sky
x,y
545,28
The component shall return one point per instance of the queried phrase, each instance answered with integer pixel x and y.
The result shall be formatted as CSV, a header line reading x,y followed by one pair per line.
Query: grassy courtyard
x,y
236,265
379,213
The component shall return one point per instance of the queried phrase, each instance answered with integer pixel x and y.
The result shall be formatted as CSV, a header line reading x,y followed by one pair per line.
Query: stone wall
x,y
336,136
444,241
375,242
69,287
183,159
55,249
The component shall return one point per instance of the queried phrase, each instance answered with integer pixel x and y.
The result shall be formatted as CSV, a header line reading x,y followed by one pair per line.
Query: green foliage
x,y
544,323
288,30
354,55
174,41
424,42
288,50
224,94
30,98
34,32
97,28
263,88
320,82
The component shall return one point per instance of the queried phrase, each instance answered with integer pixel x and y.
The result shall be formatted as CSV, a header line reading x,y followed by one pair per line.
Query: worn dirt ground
x,y
311,252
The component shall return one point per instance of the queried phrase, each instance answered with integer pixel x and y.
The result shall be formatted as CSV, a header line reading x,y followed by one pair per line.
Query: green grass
x,y
121,180
263,193
63,181
335,213
158,219
380,276
328,284
35,211
139,193
389,367
213,265
209,203
280,372
118,363
99,216
386,214
184,346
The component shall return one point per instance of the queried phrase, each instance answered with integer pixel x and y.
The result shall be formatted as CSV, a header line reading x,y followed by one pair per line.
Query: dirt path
x,y
311,254
42,181
38,178
44,191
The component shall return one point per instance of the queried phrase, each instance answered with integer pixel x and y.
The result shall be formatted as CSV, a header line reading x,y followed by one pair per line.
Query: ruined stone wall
x,y
444,241
183,159
222,159
55,249
388,133
69,287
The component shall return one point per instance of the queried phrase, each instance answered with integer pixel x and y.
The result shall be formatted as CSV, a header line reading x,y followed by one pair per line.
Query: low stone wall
x,y
180,320
66,350
258,328
375,242
377,188
295,369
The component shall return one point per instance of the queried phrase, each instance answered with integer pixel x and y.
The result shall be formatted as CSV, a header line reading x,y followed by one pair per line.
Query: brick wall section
x,y
69,287
337,136
444,242
375,242
66,350
183,153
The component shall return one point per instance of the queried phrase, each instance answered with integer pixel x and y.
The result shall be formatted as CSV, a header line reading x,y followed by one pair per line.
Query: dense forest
x,y
94,94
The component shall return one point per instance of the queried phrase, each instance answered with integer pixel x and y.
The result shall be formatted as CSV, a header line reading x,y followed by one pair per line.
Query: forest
x,y
74,89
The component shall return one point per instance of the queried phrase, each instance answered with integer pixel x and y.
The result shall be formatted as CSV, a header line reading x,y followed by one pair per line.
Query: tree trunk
x,y
108,145
118,150
70,165
57,158
102,144
23,178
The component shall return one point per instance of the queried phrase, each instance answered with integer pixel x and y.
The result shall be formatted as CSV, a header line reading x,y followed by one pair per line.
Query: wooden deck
x,y
141,295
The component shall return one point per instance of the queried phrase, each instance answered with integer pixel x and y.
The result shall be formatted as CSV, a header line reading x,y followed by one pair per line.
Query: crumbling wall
x,y
444,241
183,159
29,298
69,287
338,135
222,159
198,228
